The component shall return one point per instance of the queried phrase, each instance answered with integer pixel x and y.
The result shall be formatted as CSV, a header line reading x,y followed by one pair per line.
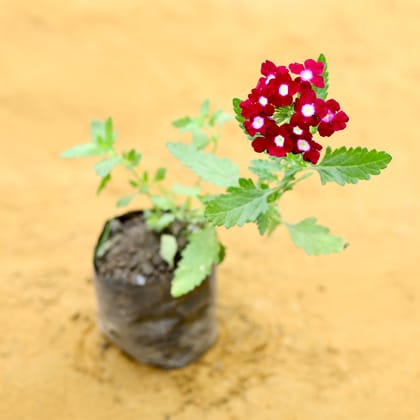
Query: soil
x,y
301,338
133,253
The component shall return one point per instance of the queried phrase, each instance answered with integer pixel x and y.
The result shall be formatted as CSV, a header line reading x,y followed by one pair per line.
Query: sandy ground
x,y
302,338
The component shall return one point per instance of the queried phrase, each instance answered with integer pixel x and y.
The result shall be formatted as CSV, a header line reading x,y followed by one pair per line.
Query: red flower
x,y
279,140
309,108
309,148
334,120
310,72
282,89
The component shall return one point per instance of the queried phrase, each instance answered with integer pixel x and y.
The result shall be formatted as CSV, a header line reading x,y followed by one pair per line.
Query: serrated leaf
x,y
184,190
82,150
265,169
237,207
348,166
323,92
168,249
269,220
197,259
238,110
104,167
124,201
103,183
97,129
160,174
314,239
283,113
219,171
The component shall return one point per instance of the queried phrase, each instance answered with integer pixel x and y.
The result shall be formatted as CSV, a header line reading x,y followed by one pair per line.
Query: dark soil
x,y
133,254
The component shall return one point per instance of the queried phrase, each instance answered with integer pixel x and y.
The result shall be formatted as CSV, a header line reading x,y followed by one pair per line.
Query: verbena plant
x,y
281,117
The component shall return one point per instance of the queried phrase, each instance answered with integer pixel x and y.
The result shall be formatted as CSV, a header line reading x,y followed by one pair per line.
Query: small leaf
x,y
237,207
162,203
160,174
219,171
188,191
132,158
219,118
158,222
182,122
222,253
103,183
348,166
124,201
197,259
168,249
82,150
97,129
268,221
313,238
101,249
323,92
204,109
104,167
238,110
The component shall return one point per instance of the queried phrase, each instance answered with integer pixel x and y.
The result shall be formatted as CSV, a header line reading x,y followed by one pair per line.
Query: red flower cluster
x,y
278,90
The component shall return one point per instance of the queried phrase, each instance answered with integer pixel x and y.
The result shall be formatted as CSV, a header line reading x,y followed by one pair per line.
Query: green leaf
x,y
219,118
237,207
103,183
197,259
162,203
103,243
97,129
323,92
265,169
82,150
160,174
199,137
219,171
168,249
158,222
184,190
283,113
222,253
269,220
124,201
104,167
348,166
238,111
132,158
204,109
102,134
313,238
182,122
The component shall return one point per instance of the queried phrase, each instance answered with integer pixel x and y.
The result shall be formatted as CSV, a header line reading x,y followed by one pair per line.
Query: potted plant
x,y
155,269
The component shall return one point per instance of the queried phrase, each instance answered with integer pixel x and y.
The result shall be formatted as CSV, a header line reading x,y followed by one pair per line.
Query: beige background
x,y
334,337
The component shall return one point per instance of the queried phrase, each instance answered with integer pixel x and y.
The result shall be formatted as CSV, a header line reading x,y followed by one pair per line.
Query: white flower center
x,y
263,101
279,140
308,110
269,77
297,130
257,122
283,89
306,75
303,145
329,117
